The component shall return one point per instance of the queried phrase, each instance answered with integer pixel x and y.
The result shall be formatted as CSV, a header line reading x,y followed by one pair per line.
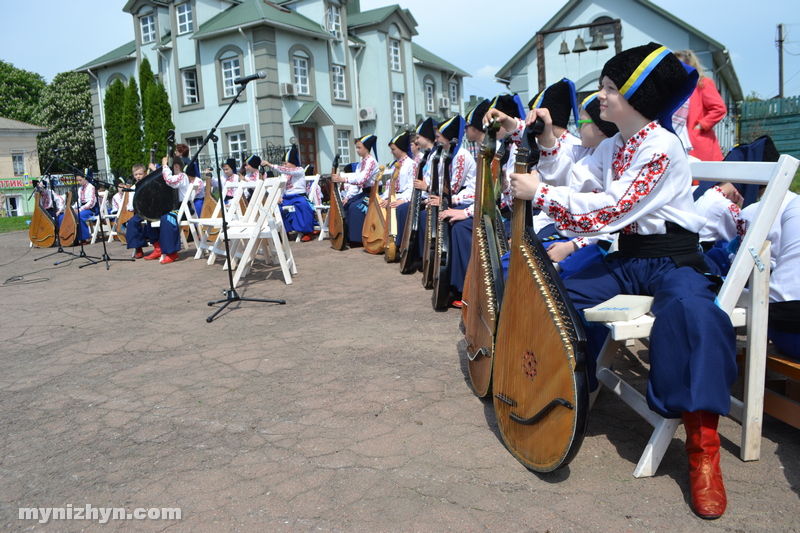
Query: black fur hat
x,y
592,106
475,117
292,155
403,141
254,161
652,79
188,167
560,99
510,104
428,129
231,162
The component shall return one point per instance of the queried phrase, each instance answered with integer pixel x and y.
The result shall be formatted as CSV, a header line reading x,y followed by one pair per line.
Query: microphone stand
x,y
82,254
230,293
50,191
105,256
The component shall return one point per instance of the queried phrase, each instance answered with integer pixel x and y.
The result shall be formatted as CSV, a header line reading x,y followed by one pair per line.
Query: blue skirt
x,y
302,218
402,214
460,250
692,343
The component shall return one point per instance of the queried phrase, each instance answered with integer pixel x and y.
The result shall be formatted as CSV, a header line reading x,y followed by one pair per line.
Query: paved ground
x,y
347,409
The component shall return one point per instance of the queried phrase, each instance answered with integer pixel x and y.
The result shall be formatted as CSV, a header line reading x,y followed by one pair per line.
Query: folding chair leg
x,y
658,444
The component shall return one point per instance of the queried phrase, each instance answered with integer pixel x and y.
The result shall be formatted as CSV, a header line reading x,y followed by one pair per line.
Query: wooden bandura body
x,y
409,246
431,223
42,231
374,223
337,224
209,206
68,230
390,216
540,386
123,217
484,287
441,259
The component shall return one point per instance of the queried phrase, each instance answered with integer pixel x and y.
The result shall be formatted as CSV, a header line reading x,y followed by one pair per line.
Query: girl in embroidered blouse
x,y
638,183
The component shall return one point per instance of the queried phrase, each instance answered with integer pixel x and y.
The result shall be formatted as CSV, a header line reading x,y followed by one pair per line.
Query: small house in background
x,y
19,160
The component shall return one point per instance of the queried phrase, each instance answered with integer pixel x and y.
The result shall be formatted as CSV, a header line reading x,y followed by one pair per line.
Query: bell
x,y
598,43
580,46
564,48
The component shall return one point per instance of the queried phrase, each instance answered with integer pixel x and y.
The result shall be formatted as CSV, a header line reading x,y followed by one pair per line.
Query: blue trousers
x,y
167,235
692,343
302,219
356,212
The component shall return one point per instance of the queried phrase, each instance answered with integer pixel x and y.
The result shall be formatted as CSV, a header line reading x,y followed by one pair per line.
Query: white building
x,y
333,73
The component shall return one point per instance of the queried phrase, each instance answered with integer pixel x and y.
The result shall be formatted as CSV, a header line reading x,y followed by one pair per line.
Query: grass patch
x,y
9,224
795,186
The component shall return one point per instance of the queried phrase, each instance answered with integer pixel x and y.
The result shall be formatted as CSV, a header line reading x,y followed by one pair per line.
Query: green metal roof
x,y
373,16
356,39
126,51
253,12
311,110
429,58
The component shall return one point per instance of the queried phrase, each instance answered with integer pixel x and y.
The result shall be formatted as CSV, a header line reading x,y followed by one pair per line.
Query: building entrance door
x,y
307,140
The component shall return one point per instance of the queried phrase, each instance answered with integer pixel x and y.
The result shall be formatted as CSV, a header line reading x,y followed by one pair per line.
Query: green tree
x,y
132,149
112,105
20,91
158,120
65,108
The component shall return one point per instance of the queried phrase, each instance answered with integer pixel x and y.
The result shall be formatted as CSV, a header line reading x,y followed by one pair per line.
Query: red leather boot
x,y
156,254
705,477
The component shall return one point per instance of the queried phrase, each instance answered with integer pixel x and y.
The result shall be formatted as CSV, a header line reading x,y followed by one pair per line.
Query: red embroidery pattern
x,y
625,154
593,221
458,173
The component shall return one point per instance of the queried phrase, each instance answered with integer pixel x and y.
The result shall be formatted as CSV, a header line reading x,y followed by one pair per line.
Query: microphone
x,y
258,75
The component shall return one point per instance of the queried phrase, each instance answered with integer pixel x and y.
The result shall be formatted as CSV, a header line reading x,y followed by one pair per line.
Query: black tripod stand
x,y
104,258
49,190
230,293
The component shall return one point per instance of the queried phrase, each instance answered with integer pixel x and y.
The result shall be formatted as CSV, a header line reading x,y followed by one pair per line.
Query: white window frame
x,y
430,97
184,11
147,25
229,73
19,208
191,89
338,80
194,144
334,19
398,108
300,74
343,146
18,162
237,145
453,94
395,62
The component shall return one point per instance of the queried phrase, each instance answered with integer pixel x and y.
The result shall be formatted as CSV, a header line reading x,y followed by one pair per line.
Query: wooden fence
x,y
778,117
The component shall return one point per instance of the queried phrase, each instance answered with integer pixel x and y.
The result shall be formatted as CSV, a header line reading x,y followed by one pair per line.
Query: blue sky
x,y
66,35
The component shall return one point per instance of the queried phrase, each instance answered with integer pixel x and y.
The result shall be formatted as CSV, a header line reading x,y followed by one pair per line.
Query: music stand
x,y
230,293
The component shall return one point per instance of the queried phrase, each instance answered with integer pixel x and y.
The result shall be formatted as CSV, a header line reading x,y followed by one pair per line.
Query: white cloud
x,y
486,72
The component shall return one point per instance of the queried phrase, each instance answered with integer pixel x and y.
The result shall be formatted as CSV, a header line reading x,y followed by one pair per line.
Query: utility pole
x,y
780,60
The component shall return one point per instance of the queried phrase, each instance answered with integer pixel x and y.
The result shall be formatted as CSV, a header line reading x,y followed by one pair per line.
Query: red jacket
x,y
706,108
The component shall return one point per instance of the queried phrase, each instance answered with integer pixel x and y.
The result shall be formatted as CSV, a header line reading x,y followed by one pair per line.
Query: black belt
x,y
679,244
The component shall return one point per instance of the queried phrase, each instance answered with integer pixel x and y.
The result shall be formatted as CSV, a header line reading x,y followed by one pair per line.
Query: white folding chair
x,y
746,308
246,219
213,224
268,238
103,219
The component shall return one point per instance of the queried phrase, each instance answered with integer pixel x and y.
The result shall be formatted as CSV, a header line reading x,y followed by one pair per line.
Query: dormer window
x,y
334,18
394,55
148,27
185,20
